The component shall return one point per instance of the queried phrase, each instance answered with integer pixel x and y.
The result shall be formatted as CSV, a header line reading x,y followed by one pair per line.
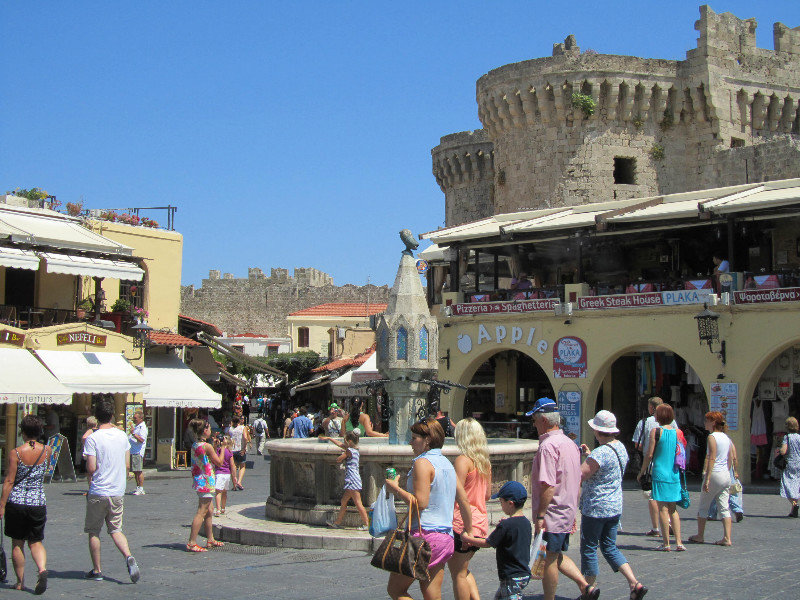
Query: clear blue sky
x,y
291,134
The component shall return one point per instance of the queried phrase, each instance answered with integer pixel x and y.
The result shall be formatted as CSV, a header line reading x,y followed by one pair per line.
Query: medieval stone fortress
x,y
261,303
581,127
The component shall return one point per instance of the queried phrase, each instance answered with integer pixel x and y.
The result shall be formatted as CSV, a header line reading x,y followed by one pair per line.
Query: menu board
x,y
725,399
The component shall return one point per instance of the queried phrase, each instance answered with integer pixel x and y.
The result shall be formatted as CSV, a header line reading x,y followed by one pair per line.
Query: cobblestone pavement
x,y
763,563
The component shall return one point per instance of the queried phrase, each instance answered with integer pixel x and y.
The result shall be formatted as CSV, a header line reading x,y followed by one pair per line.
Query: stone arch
x,y
753,377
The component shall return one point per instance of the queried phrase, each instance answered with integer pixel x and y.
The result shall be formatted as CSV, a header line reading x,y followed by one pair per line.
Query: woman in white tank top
x,y
716,479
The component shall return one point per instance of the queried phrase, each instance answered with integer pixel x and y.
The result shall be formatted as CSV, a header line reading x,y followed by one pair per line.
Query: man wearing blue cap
x,y
555,491
512,539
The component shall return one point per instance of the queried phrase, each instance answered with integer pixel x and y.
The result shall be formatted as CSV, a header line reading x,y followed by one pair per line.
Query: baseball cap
x,y
543,405
512,490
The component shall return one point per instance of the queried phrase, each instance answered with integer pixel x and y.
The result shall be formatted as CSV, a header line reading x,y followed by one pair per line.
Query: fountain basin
x,y
306,481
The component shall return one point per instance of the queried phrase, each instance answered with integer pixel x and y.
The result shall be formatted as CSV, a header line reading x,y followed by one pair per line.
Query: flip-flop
x,y
41,584
663,548
693,540
721,543
680,548
653,533
638,592
195,548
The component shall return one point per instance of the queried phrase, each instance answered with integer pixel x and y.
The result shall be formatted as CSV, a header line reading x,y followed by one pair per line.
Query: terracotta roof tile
x,y
216,330
249,335
343,309
174,340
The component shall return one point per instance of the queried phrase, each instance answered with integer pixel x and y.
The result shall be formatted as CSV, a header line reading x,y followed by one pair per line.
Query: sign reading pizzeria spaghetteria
x,y
11,337
488,308
80,337
757,296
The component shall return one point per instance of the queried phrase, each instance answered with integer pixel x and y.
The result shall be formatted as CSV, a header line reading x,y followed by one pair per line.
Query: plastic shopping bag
x,y
382,514
538,554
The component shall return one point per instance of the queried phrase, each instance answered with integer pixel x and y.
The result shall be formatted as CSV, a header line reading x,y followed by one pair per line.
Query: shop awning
x,y
311,384
94,372
42,227
17,258
24,380
233,379
239,357
93,267
173,384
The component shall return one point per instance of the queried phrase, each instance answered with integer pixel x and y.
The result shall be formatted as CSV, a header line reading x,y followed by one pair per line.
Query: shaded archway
x,y
631,376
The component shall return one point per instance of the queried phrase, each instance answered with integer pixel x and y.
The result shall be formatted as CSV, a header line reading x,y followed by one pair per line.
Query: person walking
x,y
643,444
790,479
601,502
260,433
23,503
716,479
138,441
301,426
474,472
352,479
91,427
240,435
661,452
204,459
433,488
108,459
555,487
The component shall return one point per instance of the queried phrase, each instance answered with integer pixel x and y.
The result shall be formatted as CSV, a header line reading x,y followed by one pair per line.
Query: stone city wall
x,y
260,304
674,125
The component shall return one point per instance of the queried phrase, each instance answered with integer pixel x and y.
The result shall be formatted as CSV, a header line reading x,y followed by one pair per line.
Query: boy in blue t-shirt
x,y
512,540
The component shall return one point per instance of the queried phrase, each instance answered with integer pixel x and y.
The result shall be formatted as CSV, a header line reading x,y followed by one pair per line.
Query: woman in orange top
x,y
474,472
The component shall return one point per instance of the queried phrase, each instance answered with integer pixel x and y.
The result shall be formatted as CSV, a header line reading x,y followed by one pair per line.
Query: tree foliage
x,y
297,365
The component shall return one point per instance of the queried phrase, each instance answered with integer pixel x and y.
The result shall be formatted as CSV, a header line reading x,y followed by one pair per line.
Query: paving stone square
x,y
763,563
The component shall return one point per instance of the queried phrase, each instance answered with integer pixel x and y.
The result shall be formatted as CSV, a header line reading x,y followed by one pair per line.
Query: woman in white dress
x,y
790,480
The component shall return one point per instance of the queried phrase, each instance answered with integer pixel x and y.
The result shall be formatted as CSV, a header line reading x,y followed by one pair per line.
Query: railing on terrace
x,y
29,317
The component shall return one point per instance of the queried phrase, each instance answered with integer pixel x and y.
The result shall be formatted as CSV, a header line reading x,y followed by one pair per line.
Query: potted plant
x,y
82,308
121,305
120,308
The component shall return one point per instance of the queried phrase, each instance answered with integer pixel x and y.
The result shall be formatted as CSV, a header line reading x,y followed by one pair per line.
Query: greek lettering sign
x,y
569,358
488,308
11,337
80,337
569,407
757,296
725,399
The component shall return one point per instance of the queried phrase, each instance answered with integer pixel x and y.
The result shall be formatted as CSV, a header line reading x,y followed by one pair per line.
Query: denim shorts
x,y
556,542
511,588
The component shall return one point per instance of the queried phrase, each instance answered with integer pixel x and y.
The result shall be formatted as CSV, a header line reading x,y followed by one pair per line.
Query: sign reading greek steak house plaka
x,y
81,337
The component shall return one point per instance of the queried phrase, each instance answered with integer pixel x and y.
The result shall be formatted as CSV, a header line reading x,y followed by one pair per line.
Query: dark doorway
x,y
20,287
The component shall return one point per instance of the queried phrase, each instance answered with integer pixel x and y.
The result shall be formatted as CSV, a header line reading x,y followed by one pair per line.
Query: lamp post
x,y
708,330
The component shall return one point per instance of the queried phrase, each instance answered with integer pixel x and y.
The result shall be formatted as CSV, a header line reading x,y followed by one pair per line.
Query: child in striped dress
x,y
352,479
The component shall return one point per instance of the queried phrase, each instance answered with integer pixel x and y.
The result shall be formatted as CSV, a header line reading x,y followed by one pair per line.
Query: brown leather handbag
x,y
402,553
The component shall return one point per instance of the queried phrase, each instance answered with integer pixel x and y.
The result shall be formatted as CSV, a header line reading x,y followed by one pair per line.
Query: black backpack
x,y
259,426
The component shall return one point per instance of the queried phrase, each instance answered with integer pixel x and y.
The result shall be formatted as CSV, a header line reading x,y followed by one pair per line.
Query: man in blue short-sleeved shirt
x,y
301,425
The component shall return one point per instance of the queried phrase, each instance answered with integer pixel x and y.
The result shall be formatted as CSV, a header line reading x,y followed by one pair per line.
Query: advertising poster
x,y
725,399
569,358
569,406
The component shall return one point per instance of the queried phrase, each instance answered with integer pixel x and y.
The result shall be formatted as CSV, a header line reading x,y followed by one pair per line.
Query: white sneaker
x,y
137,492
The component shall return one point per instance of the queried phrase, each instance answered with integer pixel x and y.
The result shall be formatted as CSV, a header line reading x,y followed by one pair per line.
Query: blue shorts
x,y
556,542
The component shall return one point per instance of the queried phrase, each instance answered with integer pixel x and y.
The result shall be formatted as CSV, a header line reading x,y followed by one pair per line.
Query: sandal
x,y
723,543
653,533
663,548
195,548
590,593
216,513
41,584
214,544
694,540
680,548
19,586
638,592
222,512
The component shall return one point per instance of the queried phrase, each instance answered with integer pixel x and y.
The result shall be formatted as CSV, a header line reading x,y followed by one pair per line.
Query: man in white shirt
x,y
138,441
108,458
260,433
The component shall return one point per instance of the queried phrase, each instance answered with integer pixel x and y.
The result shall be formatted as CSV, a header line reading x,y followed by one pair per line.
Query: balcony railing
x,y
30,317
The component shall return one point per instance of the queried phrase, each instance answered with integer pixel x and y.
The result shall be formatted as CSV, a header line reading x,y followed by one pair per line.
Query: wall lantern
x,y
141,336
708,330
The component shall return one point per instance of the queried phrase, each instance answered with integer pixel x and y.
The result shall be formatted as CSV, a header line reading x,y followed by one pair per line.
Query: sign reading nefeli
x,y
80,337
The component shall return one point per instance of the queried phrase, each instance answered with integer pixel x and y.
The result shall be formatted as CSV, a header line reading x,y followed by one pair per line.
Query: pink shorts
x,y
442,546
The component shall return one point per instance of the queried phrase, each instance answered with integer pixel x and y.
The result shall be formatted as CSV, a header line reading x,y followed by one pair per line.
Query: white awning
x,y
94,372
24,380
318,381
17,258
94,267
174,384
41,227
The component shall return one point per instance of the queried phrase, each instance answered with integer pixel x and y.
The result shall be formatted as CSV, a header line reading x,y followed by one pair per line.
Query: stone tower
x,y
576,128
408,348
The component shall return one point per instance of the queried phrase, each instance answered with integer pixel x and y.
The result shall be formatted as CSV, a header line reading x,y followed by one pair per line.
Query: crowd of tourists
x,y
447,501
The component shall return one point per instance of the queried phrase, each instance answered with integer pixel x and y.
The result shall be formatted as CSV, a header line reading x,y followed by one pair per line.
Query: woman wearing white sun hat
x,y
601,502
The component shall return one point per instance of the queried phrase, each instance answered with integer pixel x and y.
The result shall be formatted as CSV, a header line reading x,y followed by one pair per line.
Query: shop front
x,y
59,373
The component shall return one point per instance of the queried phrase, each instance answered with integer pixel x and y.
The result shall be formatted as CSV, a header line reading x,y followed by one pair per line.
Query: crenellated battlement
x,y
559,127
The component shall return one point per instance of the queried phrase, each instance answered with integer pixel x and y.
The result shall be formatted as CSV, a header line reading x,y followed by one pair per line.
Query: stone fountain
x,y
305,479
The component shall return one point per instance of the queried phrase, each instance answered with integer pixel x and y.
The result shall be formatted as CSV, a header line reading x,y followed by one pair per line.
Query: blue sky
x,y
293,134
